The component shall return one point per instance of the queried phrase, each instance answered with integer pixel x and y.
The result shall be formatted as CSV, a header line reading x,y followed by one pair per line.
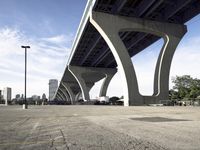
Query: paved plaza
x,y
99,127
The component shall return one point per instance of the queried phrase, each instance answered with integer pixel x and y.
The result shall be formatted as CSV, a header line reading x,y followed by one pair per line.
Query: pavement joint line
x,y
27,143
34,128
56,130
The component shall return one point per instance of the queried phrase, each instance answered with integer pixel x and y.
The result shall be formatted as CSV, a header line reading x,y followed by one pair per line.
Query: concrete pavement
x,y
99,127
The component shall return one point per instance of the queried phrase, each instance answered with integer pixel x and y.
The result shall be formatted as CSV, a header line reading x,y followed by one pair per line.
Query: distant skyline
x,y
49,27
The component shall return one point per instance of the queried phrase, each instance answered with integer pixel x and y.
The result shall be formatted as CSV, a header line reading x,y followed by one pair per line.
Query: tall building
x,y
53,85
7,94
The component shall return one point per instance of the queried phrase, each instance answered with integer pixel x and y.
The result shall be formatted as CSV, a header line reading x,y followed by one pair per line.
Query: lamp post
x,y
25,105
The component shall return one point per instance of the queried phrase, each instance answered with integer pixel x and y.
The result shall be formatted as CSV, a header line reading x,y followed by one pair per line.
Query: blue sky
x,y
44,18
49,27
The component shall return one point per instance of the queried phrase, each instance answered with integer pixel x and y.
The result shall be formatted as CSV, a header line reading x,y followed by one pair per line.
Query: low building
x,y
35,97
17,96
44,96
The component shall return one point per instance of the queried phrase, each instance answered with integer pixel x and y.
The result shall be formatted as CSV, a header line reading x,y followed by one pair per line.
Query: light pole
x,y
25,105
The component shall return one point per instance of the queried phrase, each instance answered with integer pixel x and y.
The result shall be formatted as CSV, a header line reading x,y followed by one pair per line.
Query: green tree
x,y
185,87
195,88
173,94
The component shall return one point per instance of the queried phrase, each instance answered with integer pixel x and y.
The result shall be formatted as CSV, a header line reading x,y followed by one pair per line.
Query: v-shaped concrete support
x,y
109,27
87,76
67,87
60,95
65,94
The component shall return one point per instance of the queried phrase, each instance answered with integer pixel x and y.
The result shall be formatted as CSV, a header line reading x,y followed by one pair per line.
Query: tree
x,y
173,94
185,87
195,88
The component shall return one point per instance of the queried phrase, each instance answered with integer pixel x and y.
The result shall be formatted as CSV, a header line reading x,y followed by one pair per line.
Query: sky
x,y
49,27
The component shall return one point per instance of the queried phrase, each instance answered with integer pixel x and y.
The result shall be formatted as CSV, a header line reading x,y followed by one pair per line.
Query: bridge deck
x,y
92,50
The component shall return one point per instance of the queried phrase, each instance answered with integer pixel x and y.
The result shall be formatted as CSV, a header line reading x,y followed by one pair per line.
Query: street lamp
x,y
25,105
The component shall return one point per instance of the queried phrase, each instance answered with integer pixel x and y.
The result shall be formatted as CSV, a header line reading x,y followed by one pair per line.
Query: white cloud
x,y
9,41
46,59
186,60
59,39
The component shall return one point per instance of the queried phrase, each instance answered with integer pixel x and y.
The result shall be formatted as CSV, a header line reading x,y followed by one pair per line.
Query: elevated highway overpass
x,y
111,32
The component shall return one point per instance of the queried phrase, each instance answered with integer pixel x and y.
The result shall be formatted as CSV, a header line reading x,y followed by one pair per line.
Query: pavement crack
x,y
64,139
52,142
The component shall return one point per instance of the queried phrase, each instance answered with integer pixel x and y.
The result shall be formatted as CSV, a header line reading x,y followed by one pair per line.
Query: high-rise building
x,y
7,94
53,85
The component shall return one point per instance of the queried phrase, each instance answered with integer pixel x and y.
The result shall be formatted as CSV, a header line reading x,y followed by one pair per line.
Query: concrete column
x,y
58,97
71,94
162,72
67,98
84,88
106,82
77,96
109,27
61,96
87,76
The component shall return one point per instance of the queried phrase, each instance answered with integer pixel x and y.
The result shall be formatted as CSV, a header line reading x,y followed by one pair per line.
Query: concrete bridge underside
x,y
84,69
